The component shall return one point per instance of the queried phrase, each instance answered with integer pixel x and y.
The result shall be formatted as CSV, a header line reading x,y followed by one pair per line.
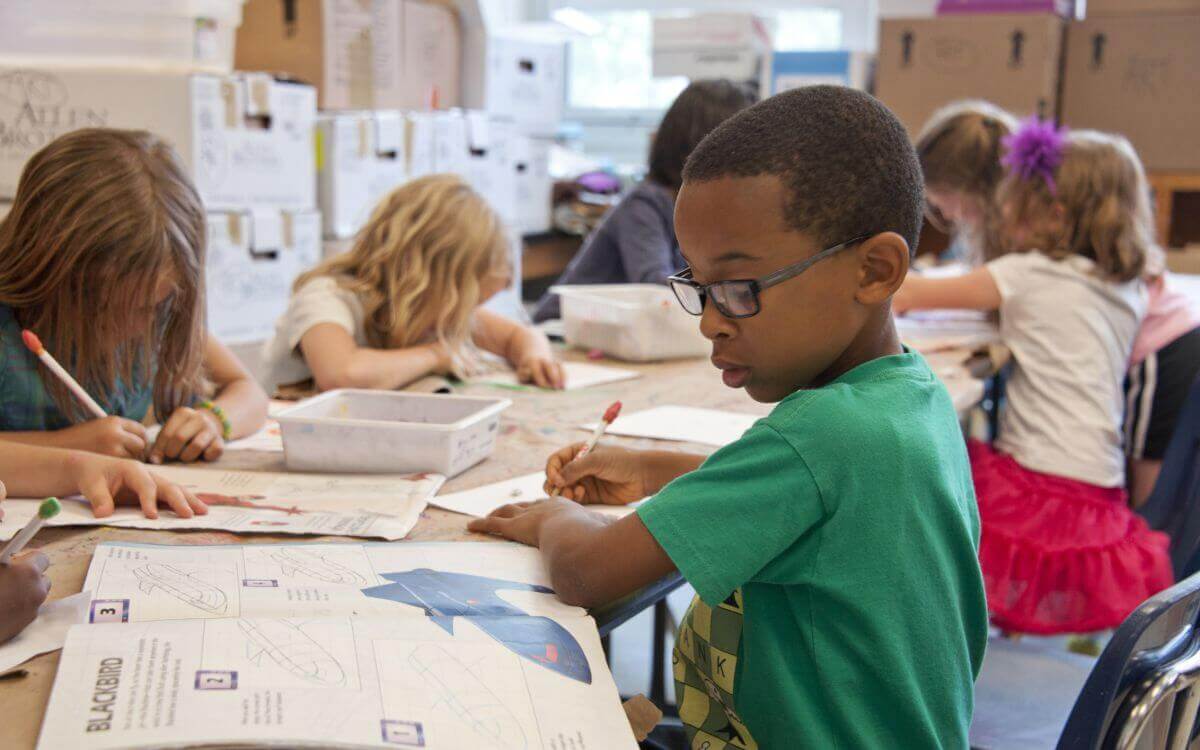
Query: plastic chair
x,y
1174,506
1143,687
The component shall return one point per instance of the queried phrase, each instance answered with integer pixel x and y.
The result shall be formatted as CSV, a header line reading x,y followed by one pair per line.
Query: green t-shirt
x,y
834,549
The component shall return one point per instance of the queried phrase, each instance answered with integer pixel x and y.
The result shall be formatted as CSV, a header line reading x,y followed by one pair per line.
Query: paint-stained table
x,y
538,423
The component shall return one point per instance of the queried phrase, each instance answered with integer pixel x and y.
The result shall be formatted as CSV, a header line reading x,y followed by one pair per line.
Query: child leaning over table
x,y
833,547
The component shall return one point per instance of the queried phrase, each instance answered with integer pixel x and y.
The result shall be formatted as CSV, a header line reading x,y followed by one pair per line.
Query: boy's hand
x,y
189,435
606,475
106,482
23,588
542,371
111,436
522,522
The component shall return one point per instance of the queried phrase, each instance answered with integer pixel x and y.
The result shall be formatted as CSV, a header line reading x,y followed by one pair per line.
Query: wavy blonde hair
x,y
1102,189
101,218
418,264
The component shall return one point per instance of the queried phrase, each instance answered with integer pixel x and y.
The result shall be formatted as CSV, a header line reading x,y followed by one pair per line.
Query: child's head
x,y
102,255
959,150
803,171
432,251
702,106
1094,203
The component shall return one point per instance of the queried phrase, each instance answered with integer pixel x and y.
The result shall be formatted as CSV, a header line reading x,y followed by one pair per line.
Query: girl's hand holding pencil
x,y
111,436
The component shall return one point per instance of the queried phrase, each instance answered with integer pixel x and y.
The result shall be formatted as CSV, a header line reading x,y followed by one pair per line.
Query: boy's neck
x,y
877,338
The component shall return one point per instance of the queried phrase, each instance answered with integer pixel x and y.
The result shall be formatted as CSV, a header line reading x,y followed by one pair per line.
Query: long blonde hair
x,y
418,264
1105,199
102,218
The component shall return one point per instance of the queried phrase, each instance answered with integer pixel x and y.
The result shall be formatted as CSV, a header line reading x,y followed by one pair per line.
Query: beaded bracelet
x,y
226,425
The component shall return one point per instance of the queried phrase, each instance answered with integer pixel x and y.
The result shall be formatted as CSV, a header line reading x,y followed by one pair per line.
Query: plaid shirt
x,y
26,405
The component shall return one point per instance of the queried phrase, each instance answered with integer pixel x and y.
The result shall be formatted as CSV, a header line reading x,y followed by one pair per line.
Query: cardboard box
x,y
529,160
325,43
791,70
517,76
180,35
253,258
362,157
1064,8
1138,76
421,143
710,45
450,143
425,74
1011,60
1139,7
246,139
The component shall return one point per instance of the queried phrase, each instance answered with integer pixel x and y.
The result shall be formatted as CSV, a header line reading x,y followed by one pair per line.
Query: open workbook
x,y
438,645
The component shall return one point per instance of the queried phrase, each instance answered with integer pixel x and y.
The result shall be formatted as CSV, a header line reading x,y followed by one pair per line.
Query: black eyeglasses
x,y
738,298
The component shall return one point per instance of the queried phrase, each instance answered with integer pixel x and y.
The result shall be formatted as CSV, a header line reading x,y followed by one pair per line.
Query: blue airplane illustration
x,y
445,596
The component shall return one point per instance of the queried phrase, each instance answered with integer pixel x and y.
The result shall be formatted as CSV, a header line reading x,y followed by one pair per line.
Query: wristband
x,y
219,413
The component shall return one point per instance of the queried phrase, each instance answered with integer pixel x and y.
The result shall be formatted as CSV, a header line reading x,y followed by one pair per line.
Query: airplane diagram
x,y
284,643
444,596
184,586
293,560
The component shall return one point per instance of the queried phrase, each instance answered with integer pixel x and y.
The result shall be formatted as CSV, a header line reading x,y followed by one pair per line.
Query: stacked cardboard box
x,y
246,139
1011,59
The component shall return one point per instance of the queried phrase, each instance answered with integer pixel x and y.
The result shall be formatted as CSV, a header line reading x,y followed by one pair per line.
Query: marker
x,y
609,416
47,510
34,344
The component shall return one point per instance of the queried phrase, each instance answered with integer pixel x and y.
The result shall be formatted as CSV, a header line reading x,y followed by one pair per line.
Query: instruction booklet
x,y
435,645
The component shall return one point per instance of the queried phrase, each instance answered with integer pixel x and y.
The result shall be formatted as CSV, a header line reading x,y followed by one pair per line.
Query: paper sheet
x,y
384,507
579,375
930,331
483,500
47,632
684,424
355,645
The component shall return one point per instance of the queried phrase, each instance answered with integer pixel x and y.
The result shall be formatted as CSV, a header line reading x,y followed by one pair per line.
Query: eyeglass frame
x,y
757,286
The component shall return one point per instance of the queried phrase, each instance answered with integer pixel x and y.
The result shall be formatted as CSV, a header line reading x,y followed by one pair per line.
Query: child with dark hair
x,y
834,545
635,243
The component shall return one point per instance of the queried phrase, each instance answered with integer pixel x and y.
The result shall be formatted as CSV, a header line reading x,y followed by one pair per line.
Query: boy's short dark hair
x,y
699,108
844,159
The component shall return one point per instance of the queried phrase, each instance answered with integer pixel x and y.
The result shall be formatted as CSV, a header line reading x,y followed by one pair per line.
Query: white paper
x,y
351,645
47,632
481,501
684,424
579,375
375,506
930,331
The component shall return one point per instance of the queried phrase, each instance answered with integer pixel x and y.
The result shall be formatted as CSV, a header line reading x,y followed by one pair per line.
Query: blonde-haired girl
x,y
960,150
102,256
404,302
1061,551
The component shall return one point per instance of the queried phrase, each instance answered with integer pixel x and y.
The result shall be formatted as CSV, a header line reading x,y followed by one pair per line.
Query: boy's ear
x,y
883,264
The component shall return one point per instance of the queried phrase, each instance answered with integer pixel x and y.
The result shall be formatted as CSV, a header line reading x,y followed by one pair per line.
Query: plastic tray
x,y
635,322
350,430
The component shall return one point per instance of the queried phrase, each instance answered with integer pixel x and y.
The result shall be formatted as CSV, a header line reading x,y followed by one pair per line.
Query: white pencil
x,y
35,345
609,415
47,510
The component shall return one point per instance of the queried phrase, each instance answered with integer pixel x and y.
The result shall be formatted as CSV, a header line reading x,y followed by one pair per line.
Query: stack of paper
x,y
579,375
684,424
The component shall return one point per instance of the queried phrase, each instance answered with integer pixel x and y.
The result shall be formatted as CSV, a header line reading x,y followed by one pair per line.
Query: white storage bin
x,y
636,322
350,430
186,35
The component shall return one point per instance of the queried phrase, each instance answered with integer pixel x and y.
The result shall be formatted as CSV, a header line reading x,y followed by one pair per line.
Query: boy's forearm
x,y
664,467
578,548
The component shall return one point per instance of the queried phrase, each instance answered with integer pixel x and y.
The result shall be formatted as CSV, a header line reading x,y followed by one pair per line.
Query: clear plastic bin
x,y
187,35
634,322
388,432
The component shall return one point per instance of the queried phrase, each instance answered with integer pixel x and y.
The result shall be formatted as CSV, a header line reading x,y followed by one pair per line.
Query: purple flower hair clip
x,y
1035,150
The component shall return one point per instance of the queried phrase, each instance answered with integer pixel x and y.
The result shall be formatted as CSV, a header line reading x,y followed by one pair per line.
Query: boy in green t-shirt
x,y
833,547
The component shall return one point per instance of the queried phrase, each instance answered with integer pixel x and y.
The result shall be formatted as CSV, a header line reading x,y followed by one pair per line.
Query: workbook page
x,y
334,682
383,507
